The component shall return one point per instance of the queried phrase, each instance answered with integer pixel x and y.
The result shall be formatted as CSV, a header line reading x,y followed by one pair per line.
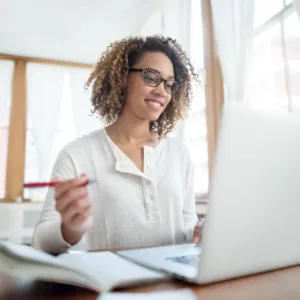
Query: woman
x,y
143,195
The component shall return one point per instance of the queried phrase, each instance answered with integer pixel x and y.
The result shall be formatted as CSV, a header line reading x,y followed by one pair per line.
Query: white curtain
x,y
233,29
297,7
6,73
176,21
44,96
85,121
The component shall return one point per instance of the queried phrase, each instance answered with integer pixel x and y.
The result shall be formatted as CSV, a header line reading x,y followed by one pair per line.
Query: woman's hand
x,y
75,208
198,231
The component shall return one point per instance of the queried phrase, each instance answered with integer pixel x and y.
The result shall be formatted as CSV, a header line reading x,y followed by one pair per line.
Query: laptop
x,y
253,217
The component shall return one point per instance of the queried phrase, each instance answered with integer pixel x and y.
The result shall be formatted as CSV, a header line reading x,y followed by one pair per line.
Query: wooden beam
x,y
214,82
17,135
45,61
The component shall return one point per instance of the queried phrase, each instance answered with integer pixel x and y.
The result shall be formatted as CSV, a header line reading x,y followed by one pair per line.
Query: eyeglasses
x,y
153,78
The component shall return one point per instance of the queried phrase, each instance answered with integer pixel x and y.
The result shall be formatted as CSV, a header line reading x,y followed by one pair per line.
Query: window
x,y
6,73
275,57
65,130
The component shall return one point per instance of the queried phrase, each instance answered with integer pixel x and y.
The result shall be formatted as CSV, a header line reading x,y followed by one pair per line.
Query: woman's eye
x,y
169,85
148,78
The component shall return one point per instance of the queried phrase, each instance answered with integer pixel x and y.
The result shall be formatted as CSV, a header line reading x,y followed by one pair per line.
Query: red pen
x,y
49,184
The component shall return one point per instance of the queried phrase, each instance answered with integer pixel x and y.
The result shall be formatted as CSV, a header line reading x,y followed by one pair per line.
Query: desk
x,y
281,284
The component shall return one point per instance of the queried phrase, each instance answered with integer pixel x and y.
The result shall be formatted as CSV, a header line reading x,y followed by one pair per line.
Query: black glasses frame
x,y
144,71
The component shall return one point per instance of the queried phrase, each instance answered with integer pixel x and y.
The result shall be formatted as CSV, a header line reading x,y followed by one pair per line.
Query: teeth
x,y
154,104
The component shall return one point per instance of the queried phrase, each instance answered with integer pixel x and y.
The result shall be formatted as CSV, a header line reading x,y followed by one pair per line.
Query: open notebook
x,y
98,271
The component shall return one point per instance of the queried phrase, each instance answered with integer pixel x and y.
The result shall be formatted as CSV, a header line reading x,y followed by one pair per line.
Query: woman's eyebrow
x,y
169,77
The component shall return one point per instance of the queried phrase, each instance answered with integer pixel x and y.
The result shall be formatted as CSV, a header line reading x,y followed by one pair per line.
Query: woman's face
x,y
143,99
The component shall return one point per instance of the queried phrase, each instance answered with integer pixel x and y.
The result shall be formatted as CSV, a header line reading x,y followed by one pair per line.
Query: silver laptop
x,y
253,217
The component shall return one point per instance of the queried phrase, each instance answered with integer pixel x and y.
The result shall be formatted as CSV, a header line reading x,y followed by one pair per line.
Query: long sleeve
x,y
189,208
47,234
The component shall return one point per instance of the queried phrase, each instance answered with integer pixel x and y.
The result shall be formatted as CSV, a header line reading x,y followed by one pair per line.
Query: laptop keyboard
x,y
191,260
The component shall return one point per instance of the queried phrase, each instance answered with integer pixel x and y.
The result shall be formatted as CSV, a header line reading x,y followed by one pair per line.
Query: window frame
x,y
279,18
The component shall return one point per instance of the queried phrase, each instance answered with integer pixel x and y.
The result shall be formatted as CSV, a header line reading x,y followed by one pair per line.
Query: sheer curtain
x,y
6,74
233,28
297,7
177,21
44,94
85,122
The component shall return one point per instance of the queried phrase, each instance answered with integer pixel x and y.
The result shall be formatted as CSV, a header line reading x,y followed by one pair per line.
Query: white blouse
x,y
130,208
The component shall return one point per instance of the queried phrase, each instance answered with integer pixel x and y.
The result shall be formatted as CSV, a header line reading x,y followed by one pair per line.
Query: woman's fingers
x,y
76,221
72,202
80,218
71,196
198,231
78,206
63,186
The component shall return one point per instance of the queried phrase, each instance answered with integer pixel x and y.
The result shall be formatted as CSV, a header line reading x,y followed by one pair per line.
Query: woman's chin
x,y
150,117
154,116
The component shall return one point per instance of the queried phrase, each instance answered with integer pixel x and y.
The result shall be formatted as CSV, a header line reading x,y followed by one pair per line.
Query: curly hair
x,y
109,78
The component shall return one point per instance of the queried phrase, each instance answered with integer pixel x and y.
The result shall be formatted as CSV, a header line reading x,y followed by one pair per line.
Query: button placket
x,y
148,162
119,163
149,186
123,163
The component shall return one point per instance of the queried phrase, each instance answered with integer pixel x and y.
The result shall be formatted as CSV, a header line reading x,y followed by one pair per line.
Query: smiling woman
x,y
111,75
144,191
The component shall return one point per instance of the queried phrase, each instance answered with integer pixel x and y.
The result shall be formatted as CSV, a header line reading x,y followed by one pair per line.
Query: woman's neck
x,y
130,130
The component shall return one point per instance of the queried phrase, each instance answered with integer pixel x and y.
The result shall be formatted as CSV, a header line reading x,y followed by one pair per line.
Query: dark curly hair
x,y
111,71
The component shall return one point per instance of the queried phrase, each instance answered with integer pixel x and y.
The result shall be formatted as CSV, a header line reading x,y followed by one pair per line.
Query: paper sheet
x,y
183,294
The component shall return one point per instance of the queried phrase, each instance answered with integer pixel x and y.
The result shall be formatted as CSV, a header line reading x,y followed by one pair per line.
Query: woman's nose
x,y
160,90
